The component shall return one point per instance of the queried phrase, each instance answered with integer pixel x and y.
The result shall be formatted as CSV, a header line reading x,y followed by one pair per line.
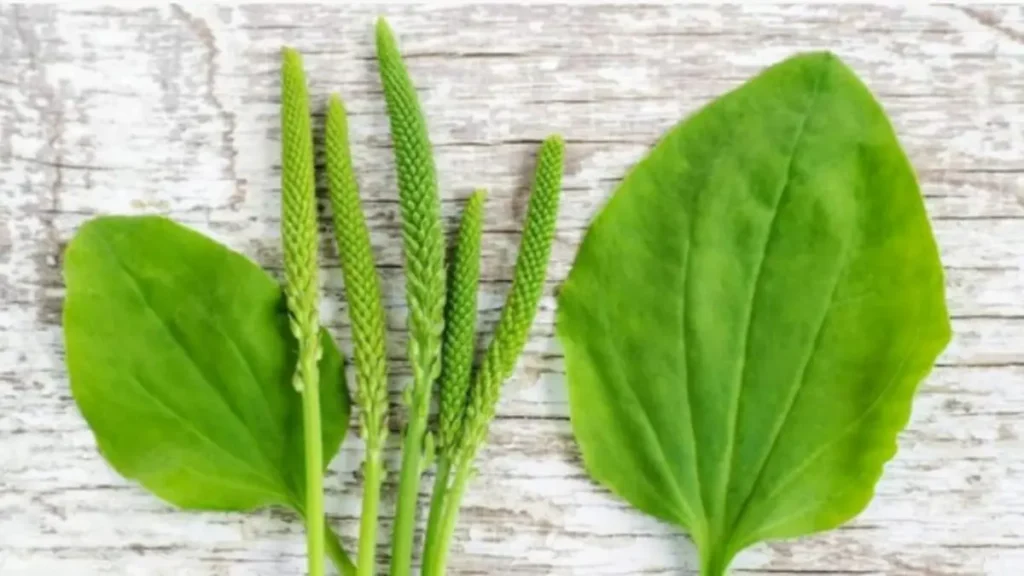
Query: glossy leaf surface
x,y
181,360
749,316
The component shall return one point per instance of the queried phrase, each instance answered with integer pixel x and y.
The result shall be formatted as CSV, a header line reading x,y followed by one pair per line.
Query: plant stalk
x,y
299,239
439,543
408,490
423,249
506,345
314,470
715,559
373,474
713,565
366,312
437,500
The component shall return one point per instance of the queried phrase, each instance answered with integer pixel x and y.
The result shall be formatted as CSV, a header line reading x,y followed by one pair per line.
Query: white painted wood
x,y
174,111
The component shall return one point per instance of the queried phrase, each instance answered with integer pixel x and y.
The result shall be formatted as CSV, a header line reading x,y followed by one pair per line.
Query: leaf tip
x,y
821,59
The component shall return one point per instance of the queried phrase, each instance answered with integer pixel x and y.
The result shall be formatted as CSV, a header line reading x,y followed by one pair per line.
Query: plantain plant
x,y
366,311
298,232
438,322
423,246
783,219
200,377
216,388
456,359
467,411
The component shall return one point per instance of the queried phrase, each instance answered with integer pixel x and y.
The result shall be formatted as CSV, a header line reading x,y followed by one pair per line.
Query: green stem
x,y
437,500
441,541
373,475
408,491
341,560
315,520
711,567
714,562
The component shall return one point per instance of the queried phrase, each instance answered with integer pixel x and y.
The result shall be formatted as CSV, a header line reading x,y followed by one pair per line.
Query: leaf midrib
x,y
794,395
265,401
772,228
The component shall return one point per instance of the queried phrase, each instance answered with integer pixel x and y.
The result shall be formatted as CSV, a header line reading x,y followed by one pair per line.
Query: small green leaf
x,y
748,318
181,360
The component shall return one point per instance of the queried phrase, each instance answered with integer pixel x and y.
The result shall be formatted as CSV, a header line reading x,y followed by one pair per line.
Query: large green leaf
x,y
748,318
181,361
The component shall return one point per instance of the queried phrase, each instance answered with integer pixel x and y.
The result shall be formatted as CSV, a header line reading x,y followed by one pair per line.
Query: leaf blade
x,y
784,220
240,424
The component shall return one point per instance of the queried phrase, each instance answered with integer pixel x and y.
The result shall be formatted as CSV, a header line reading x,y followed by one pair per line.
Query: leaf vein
x,y
772,228
794,395
897,375
620,369
685,257
159,401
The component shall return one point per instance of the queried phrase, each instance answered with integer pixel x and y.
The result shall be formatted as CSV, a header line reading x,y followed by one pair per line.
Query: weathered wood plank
x,y
174,110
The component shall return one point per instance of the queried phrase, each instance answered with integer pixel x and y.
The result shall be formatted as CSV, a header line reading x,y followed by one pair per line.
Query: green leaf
x,y
748,318
181,361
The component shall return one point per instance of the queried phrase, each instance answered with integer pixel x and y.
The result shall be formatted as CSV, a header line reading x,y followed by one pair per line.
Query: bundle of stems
x,y
441,318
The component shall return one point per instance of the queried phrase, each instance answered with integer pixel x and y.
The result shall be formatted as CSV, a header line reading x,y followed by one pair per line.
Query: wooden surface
x,y
174,110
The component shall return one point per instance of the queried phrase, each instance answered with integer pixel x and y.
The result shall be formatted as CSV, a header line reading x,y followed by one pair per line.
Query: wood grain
x,y
173,110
